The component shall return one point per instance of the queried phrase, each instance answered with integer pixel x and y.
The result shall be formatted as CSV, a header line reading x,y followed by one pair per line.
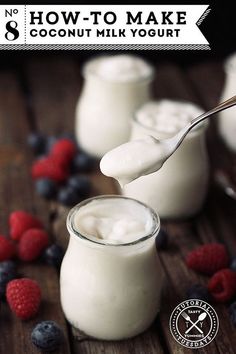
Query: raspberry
x,y
31,244
49,167
64,148
208,258
7,249
24,297
222,285
20,221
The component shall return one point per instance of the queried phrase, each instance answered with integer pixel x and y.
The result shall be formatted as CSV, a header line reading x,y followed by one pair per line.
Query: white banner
x,y
102,27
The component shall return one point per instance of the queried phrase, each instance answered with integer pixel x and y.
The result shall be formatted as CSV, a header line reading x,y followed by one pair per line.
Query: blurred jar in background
x,y
227,120
179,188
114,87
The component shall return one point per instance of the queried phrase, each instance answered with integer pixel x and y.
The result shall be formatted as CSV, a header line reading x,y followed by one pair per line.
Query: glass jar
x,y
179,188
111,291
105,108
227,120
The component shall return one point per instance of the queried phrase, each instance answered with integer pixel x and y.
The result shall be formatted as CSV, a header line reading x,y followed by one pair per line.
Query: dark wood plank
x,y
54,85
17,191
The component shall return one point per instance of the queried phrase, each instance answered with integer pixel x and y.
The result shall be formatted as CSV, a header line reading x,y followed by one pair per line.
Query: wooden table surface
x,y
42,95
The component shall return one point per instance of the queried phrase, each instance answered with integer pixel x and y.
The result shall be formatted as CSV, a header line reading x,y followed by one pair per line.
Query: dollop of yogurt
x,y
167,116
120,68
134,159
114,220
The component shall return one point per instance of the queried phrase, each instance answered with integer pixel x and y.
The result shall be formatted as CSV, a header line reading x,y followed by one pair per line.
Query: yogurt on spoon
x,y
134,159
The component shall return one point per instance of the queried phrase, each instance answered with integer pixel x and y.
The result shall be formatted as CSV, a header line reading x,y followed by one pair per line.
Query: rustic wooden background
x,y
41,93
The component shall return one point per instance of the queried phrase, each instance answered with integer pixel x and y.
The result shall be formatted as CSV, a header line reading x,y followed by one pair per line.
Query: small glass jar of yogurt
x,y
179,188
114,87
111,277
227,121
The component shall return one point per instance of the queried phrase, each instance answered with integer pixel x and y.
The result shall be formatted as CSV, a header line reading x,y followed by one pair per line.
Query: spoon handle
x,y
178,138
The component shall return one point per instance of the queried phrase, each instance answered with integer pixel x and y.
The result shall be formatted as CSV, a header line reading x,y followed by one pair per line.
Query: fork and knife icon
x,y
201,317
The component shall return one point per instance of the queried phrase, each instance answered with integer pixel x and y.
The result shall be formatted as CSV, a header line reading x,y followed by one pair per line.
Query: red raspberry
x,y
222,285
20,221
49,167
7,249
24,297
208,258
64,148
31,244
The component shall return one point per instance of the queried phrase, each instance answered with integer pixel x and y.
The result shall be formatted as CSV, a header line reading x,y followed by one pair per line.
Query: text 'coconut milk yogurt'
x,y
114,88
111,277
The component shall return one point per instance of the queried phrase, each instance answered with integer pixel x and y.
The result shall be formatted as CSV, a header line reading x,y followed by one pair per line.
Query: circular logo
x,y
194,323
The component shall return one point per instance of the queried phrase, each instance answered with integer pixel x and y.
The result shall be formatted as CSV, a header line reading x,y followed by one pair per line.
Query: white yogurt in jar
x,y
114,88
119,68
179,186
111,277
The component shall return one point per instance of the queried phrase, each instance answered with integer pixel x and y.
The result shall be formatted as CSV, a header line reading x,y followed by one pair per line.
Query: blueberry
x,y
37,142
46,188
69,136
232,313
82,162
53,255
68,196
162,240
81,184
198,291
50,142
7,273
233,264
47,336
8,266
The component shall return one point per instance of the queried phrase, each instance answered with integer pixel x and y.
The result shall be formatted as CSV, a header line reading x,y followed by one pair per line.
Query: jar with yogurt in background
x,y
227,118
114,87
111,277
179,188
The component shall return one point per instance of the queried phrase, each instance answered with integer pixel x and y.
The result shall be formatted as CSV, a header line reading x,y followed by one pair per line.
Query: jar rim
x,y
70,222
200,127
86,71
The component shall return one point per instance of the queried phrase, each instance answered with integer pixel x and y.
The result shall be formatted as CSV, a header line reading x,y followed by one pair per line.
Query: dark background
x,y
219,27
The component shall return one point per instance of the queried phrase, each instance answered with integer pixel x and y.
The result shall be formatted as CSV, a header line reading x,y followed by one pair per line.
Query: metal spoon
x,y
173,143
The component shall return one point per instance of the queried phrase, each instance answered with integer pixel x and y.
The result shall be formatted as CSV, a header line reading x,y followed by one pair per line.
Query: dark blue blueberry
x,y
68,196
83,163
7,273
233,264
198,291
37,143
50,142
47,336
232,313
81,184
69,136
162,240
46,188
8,266
53,255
